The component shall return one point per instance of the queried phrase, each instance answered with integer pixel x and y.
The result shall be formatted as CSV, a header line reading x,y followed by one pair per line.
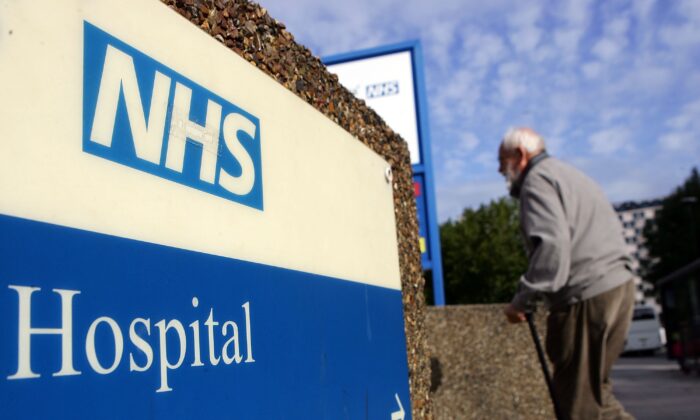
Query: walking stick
x,y
545,367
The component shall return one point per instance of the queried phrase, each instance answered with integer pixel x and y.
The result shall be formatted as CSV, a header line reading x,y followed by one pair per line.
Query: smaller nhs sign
x,y
139,113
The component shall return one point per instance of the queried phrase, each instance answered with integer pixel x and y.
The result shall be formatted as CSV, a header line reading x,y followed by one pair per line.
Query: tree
x,y
673,238
483,254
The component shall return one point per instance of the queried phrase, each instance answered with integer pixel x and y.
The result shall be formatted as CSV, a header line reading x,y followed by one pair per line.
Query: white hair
x,y
525,137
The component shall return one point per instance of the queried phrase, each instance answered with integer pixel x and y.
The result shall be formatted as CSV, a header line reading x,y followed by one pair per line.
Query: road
x,y
653,388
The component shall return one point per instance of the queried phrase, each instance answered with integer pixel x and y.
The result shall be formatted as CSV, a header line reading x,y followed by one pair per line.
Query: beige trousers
x,y
583,342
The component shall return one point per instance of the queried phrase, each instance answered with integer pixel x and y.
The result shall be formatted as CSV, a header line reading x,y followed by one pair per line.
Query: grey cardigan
x,y
572,235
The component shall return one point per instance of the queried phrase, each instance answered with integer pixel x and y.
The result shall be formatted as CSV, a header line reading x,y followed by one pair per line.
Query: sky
x,y
612,85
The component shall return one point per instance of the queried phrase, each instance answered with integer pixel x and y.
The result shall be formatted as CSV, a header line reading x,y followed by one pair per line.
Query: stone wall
x,y
248,30
483,367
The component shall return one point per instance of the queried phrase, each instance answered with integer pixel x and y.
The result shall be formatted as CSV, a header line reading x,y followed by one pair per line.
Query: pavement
x,y
653,387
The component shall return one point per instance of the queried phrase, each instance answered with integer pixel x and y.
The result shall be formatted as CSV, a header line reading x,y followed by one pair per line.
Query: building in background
x,y
634,215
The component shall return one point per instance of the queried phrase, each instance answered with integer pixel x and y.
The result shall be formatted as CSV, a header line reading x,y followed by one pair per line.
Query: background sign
x,y
182,237
390,80
386,83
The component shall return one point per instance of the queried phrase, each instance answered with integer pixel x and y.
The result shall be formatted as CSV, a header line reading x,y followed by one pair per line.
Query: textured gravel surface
x,y
483,367
248,30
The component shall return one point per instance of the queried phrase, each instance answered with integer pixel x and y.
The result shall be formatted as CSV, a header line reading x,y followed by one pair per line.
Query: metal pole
x,y
545,367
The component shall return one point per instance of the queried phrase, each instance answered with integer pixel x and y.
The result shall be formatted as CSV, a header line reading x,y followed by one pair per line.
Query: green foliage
x,y
482,253
674,238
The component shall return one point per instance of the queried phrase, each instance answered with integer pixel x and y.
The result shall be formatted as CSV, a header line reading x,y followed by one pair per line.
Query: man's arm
x,y
547,230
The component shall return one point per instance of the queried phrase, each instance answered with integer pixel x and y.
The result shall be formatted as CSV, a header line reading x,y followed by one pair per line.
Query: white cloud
x,y
625,179
684,134
470,194
642,9
525,33
563,101
614,40
554,144
688,118
468,142
439,41
482,48
686,35
677,141
574,17
454,99
575,13
527,13
692,81
609,141
649,78
418,12
567,40
525,39
453,160
645,30
612,114
509,69
510,90
654,78
544,53
488,160
607,49
628,187
457,93
592,70
452,168
684,32
690,9
618,26
510,85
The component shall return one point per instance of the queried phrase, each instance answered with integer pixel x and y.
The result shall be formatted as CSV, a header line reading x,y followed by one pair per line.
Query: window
x,y
642,314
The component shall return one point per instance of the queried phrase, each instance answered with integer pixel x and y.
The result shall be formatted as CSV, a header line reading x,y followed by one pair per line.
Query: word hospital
x,y
141,357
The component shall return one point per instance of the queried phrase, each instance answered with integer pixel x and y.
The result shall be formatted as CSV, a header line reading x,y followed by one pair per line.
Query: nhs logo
x,y
379,90
139,113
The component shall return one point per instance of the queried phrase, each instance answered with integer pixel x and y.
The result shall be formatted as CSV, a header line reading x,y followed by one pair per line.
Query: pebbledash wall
x,y
252,33
483,367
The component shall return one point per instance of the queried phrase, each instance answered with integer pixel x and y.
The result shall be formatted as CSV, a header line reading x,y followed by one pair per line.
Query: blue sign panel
x,y
142,114
97,326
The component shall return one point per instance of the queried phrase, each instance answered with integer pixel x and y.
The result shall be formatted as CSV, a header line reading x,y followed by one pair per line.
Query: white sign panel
x,y
385,83
45,96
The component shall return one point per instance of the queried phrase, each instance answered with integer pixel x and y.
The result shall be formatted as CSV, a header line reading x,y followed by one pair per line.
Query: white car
x,y
646,332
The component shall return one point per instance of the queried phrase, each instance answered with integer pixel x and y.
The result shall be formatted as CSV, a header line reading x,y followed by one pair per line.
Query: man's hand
x,y
514,316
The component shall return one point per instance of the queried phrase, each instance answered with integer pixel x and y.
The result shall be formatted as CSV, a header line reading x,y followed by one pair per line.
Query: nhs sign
x,y
140,277
139,113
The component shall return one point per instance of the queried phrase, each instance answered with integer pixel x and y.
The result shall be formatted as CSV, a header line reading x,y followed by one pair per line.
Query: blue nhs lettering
x,y
139,113
378,90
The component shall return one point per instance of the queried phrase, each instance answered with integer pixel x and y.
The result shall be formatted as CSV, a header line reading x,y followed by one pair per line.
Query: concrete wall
x,y
247,29
483,367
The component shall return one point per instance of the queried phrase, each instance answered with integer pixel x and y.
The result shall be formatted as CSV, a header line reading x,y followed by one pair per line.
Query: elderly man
x,y
578,265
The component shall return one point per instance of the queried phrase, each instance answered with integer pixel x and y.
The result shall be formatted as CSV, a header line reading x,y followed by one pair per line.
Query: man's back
x,y
563,211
